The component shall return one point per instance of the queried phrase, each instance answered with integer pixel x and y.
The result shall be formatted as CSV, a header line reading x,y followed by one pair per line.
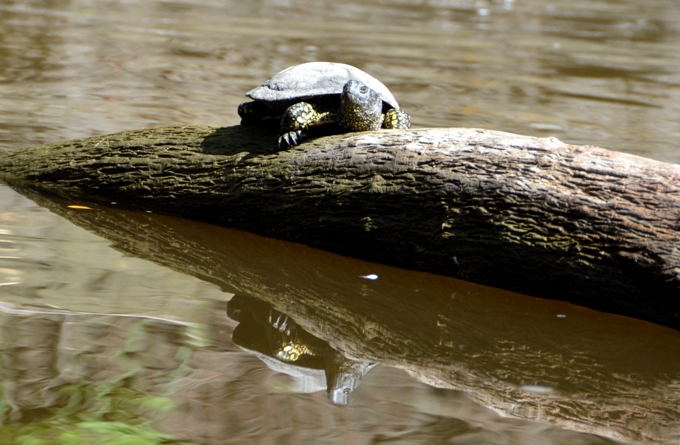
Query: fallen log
x,y
579,223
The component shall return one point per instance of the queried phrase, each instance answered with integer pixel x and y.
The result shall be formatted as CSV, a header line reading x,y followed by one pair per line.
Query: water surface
x,y
116,324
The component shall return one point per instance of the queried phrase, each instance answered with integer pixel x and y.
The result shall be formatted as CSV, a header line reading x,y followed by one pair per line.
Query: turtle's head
x,y
360,107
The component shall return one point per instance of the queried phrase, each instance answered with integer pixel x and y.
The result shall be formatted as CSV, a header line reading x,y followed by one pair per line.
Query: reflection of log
x,y
535,215
589,372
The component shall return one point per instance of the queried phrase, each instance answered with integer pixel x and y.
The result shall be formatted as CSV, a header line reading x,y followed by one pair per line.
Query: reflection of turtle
x,y
320,93
265,330
293,344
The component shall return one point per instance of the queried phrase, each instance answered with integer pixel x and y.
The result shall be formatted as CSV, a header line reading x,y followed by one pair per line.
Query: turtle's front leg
x,y
295,122
396,119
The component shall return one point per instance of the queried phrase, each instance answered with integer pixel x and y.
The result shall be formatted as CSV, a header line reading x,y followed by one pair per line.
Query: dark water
x,y
118,326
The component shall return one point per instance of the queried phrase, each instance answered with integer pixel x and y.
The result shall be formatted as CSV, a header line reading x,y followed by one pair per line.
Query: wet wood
x,y
584,224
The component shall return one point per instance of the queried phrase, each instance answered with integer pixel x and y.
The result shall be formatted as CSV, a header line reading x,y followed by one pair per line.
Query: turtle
x,y
322,93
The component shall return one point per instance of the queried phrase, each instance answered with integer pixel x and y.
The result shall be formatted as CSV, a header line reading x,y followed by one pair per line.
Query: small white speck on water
x,y
370,276
545,126
537,389
561,315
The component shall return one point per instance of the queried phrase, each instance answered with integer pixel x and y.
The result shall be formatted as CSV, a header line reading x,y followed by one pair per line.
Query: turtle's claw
x,y
290,139
280,323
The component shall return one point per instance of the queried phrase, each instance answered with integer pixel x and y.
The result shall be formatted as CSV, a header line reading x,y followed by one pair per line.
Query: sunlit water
x,y
82,321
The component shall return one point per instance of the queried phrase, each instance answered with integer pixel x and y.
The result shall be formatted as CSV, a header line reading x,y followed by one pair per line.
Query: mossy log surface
x,y
535,215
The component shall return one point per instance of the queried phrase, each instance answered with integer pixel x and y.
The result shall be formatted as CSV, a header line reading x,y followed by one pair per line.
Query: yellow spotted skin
x,y
339,97
292,351
300,116
358,108
297,119
297,116
396,119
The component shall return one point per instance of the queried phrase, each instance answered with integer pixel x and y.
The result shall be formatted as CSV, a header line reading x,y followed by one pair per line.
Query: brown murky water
x,y
116,326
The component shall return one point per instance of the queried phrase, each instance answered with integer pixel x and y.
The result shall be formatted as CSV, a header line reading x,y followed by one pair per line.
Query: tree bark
x,y
580,223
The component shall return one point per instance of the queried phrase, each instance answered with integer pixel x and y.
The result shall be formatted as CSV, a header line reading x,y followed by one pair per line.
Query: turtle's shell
x,y
316,79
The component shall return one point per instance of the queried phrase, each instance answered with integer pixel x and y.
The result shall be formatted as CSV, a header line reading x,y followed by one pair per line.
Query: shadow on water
x,y
535,359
